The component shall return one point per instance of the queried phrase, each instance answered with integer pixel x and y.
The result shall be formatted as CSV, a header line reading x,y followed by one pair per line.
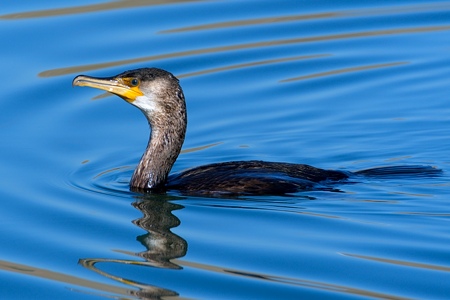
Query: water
x,y
339,85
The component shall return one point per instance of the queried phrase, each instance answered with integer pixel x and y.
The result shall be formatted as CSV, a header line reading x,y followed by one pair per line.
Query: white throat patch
x,y
145,103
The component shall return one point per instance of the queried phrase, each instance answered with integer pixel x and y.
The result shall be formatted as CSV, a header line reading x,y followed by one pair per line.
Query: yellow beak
x,y
119,86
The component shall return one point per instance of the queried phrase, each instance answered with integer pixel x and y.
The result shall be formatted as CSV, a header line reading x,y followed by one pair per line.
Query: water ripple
x,y
345,70
100,177
93,177
112,5
400,262
307,17
252,64
263,44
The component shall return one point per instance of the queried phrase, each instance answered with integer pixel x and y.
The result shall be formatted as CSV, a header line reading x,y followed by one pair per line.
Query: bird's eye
x,y
134,82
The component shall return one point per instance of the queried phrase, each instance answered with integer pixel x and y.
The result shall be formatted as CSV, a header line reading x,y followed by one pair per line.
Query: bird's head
x,y
152,90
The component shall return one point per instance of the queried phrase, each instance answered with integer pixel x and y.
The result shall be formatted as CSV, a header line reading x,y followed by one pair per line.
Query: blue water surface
x,y
344,85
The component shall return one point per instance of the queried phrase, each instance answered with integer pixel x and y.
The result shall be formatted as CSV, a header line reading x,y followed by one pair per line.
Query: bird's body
x,y
159,96
252,178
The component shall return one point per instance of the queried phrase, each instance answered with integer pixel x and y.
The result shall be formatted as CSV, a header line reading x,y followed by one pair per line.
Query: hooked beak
x,y
119,86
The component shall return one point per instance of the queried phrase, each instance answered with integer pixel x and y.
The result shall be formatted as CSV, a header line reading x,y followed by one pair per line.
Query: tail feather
x,y
401,171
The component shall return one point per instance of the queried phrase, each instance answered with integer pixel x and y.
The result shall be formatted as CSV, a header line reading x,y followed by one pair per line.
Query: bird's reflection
x,y
161,245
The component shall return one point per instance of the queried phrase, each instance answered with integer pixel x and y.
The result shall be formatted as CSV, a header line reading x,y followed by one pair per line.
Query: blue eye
x,y
134,82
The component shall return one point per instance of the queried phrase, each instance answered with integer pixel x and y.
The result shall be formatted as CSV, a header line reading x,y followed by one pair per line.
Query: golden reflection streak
x,y
293,18
343,71
286,280
364,34
60,277
111,170
89,8
251,64
413,194
232,67
426,214
90,264
321,215
400,262
399,158
200,148
102,96
261,21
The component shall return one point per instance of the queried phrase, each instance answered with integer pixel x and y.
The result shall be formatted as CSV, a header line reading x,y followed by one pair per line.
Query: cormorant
x,y
158,94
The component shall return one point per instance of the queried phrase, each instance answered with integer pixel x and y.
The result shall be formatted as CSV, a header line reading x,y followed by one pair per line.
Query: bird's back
x,y
251,178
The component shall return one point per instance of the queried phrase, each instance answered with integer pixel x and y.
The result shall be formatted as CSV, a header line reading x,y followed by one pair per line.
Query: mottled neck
x,y
166,140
